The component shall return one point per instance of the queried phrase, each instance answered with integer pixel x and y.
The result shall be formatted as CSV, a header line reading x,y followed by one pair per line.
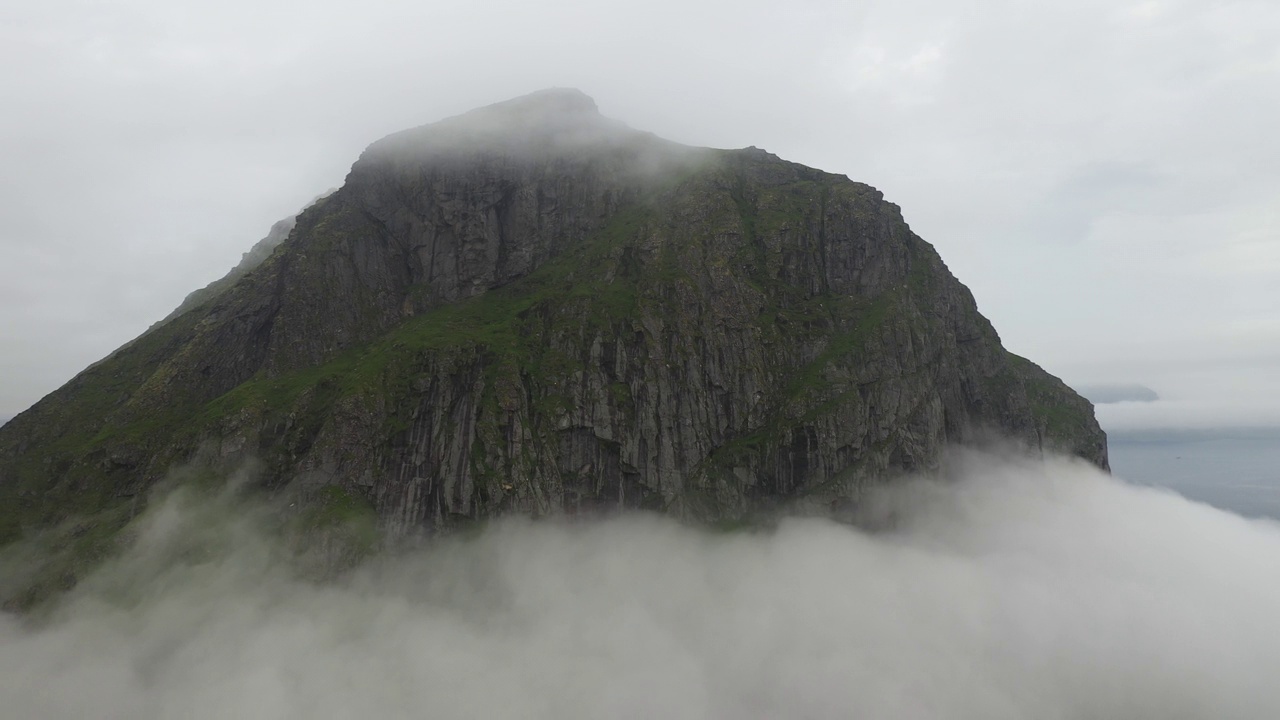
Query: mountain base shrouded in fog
x,y
1009,589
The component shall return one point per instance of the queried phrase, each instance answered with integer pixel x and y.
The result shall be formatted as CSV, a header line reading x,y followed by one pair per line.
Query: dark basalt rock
x,y
533,309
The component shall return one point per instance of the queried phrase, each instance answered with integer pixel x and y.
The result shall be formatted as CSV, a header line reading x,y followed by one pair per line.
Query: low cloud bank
x,y
1115,393
1013,589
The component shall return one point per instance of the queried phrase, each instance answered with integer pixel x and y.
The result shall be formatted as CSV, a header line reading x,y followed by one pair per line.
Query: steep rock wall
x,y
534,310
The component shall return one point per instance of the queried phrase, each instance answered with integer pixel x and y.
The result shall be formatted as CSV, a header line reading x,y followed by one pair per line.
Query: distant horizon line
x,y
1156,435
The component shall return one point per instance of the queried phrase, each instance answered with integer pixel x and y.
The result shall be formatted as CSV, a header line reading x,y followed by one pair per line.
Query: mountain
x,y
533,309
256,255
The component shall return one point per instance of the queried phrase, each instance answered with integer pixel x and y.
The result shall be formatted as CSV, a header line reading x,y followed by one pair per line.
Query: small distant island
x,y
1117,393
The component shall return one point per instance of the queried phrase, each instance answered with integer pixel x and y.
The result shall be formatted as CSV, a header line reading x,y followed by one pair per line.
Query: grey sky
x,y
1105,176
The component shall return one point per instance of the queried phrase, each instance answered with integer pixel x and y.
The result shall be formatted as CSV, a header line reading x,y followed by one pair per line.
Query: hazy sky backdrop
x,y
1105,176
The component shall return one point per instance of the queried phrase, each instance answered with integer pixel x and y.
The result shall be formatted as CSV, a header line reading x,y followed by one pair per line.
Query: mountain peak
x,y
550,122
554,110
550,101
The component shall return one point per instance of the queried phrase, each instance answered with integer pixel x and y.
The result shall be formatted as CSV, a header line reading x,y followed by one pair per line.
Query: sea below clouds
x,y
1236,470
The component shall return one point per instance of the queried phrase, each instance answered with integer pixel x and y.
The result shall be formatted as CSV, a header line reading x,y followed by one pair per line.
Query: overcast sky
x,y
1104,175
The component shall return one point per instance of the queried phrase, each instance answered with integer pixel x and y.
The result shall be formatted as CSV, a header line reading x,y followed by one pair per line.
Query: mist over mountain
x,y
1010,589
534,310
541,416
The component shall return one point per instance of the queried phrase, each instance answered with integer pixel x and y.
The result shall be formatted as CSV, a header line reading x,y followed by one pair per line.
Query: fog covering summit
x,y
533,309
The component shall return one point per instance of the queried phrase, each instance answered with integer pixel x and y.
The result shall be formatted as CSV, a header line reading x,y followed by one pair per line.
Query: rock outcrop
x,y
532,309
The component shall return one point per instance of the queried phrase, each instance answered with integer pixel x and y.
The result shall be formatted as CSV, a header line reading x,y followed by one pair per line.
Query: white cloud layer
x,y
1011,590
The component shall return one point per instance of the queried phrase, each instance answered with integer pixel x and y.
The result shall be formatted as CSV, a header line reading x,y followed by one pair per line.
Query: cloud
x,y
1011,589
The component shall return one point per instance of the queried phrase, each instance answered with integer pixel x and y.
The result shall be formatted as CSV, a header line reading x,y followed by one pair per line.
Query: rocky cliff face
x,y
256,255
532,309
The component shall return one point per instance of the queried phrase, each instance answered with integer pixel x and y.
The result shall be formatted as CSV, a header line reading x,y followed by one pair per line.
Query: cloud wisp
x,y
1013,589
